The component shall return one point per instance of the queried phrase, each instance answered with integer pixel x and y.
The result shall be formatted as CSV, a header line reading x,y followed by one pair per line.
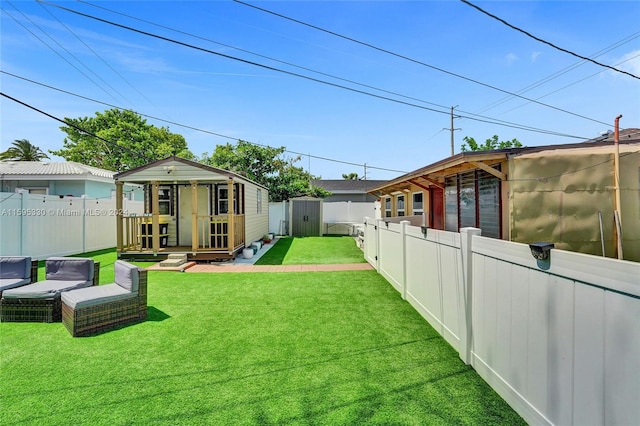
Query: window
x,y
259,200
473,199
387,207
165,199
400,206
451,203
222,199
417,203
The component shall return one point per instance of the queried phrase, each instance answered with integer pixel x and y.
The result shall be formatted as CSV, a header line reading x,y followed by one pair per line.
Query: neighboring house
x,y
348,204
551,193
202,211
61,178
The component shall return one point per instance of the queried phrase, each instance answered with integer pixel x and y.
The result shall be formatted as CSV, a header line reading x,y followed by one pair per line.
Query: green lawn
x,y
312,251
325,348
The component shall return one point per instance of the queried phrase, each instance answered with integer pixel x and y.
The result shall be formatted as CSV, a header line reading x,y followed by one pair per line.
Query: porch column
x,y
155,216
194,215
119,219
231,239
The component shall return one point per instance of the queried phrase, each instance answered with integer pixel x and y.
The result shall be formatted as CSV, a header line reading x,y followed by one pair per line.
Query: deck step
x,y
174,260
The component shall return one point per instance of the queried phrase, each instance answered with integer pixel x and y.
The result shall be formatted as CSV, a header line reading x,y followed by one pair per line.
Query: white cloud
x,y
534,56
511,58
629,62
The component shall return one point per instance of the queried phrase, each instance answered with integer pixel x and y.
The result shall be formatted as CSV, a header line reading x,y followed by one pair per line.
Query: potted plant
x,y
267,238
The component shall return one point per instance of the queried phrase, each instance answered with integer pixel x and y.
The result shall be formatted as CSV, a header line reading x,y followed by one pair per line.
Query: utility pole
x,y
365,172
452,129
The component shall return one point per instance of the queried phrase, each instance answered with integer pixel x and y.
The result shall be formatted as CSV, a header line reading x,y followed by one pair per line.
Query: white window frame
x,y
413,207
401,211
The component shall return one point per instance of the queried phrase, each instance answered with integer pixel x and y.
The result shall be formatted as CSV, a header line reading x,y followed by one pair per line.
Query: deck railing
x,y
132,238
213,232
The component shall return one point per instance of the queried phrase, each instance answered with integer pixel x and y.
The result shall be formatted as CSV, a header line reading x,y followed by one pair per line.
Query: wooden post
x,y
616,176
194,216
230,214
155,216
119,219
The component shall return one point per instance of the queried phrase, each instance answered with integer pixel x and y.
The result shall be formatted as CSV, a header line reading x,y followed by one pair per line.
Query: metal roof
x,y
32,169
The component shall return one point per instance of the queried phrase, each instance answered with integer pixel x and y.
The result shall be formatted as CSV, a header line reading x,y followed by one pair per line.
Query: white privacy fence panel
x,y
371,241
279,218
558,340
347,211
41,226
390,254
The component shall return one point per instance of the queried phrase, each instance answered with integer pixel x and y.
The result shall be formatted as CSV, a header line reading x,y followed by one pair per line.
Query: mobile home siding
x,y
256,224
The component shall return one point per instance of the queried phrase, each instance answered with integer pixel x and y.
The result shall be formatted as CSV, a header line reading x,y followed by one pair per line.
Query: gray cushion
x,y
127,275
69,269
47,289
15,267
7,283
96,295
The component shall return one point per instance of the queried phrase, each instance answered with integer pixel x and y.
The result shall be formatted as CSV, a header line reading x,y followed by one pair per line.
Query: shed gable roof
x,y
179,169
346,186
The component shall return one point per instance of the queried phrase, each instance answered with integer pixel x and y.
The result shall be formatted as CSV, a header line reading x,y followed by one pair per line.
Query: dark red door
x,y
436,208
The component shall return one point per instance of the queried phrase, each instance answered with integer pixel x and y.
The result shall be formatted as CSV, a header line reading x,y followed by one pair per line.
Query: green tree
x,y
23,150
489,144
267,166
350,176
131,140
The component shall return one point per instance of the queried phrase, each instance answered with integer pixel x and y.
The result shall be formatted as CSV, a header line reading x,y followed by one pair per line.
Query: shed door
x,y
436,208
305,218
185,218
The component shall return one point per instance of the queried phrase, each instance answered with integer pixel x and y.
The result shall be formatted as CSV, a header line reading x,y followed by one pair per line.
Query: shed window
x,y
259,202
387,207
400,209
418,204
473,199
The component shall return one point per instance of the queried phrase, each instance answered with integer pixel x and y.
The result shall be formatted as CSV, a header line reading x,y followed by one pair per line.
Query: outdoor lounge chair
x,y
16,271
40,302
93,310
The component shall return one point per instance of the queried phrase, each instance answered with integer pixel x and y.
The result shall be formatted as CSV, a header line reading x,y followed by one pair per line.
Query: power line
x,y
202,49
78,128
54,51
564,71
468,3
169,122
106,63
417,61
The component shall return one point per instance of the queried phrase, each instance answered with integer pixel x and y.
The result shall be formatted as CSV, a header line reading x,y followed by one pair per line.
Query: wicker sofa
x,y
16,271
89,311
41,301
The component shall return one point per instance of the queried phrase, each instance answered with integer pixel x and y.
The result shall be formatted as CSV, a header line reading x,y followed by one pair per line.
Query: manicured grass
x,y
328,348
312,251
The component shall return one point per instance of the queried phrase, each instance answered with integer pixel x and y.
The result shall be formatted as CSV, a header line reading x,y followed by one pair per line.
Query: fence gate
x,y
306,217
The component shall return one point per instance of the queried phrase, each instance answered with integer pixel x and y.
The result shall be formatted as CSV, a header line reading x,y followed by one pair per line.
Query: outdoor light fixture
x,y
541,250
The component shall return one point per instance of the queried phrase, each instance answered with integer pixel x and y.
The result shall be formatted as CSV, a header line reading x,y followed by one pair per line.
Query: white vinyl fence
x,y
340,217
559,340
41,226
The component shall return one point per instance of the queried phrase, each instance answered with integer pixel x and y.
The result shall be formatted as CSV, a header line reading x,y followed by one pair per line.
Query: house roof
x,y
175,168
434,173
346,186
39,170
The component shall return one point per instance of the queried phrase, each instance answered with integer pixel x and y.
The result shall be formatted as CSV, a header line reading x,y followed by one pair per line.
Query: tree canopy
x,y
267,166
350,176
131,140
23,150
489,144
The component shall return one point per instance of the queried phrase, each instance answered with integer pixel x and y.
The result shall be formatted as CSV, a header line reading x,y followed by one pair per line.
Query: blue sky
x,y
239,100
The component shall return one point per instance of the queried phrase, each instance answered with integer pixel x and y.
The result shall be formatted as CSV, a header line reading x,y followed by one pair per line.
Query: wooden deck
x,y
202,255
